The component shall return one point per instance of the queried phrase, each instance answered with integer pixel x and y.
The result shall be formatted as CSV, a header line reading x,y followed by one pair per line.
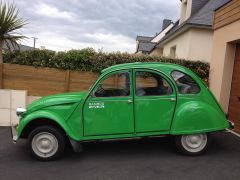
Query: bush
x,y
90,60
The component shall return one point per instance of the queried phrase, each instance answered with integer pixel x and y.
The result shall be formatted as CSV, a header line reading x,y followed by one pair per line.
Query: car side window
x,y
185,84
115,85
151,84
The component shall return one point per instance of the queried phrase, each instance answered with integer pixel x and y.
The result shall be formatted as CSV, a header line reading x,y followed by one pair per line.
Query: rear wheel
x,y
194,144
46,143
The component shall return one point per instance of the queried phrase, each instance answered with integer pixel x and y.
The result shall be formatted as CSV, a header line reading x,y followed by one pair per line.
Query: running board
x,y
126,139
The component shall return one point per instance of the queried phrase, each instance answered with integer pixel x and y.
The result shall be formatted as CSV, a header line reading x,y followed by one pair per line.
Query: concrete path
x,y
142,159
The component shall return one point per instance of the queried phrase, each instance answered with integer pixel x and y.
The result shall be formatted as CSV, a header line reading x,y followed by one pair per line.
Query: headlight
x,y
20,111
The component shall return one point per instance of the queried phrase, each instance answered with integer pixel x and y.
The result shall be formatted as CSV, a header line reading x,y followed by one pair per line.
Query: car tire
x,y
46,143
194,144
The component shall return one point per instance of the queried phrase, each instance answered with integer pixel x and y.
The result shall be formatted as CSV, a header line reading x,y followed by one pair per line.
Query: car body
x,y
128,101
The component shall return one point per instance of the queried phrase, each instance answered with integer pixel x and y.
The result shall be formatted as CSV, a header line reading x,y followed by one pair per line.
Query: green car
x,y
131,100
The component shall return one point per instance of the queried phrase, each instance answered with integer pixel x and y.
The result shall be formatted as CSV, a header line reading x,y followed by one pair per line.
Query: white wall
x,y
9,101
200,45
181,42
194,44
186,8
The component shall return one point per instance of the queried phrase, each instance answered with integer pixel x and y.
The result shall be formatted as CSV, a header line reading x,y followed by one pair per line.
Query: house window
x,y
173,52
160,51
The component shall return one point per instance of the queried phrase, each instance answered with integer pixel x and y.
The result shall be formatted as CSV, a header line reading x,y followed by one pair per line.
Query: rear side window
x,y
186,84
151,84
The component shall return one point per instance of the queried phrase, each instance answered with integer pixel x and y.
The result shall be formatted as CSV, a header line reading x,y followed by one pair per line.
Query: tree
x,y
10,24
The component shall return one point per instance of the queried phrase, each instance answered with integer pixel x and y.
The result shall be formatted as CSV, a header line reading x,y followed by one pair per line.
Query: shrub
x,y
90,60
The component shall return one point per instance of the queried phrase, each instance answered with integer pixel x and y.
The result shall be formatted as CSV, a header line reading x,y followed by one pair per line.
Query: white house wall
x,y
194,44
200,47
182,45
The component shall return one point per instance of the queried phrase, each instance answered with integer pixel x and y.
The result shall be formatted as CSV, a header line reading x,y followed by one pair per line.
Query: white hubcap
x,y
44,144
194,143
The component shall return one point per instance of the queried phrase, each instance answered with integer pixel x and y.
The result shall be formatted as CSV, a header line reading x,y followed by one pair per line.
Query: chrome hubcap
x,y
44,144
194,143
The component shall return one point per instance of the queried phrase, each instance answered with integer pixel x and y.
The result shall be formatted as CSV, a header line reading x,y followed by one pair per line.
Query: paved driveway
x,y
143,159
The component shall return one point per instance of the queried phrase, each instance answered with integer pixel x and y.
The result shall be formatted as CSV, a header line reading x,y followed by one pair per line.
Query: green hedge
x,y
90,60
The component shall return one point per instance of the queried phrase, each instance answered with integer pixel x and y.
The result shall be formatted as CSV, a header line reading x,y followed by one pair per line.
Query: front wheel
x,y
194,144
46,143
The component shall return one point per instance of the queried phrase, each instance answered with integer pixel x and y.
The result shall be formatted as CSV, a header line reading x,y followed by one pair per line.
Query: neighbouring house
x,y
145,45
190,37
225,59
20,47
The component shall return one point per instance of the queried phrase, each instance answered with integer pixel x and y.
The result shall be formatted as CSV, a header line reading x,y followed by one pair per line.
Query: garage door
x,y
234,103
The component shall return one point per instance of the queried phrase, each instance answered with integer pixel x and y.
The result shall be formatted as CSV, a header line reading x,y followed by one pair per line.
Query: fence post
x,y
67,80
1,75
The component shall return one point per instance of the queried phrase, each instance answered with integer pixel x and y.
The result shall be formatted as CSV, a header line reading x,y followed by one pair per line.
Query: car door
x,y
109,109
154,101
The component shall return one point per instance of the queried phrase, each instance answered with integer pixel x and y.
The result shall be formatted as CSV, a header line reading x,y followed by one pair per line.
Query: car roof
x,y
165,67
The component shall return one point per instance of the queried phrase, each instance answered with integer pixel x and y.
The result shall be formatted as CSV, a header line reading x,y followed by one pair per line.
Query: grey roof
x,y
146,46
20,48
144,38
205,15
197,4
165,24
202,18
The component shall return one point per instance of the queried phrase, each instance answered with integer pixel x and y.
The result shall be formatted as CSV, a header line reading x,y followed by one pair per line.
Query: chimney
x,y
166,23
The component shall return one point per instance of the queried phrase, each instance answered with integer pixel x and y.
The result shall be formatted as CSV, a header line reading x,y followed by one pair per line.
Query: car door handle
x,y
173,99
238,99
129,101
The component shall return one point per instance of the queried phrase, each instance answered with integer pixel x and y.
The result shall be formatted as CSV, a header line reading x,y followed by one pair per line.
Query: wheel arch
x,y
42,118
40,122
197,117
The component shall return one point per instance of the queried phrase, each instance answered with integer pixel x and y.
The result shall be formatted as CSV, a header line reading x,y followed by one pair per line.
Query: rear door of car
x,y
154,101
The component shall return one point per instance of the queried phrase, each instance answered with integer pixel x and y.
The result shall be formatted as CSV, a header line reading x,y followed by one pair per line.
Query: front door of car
x,y
109,108
154,101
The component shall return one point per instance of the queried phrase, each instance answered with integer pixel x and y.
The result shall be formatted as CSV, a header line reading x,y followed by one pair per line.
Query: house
x,y
145,45
191,36
225,59
20,48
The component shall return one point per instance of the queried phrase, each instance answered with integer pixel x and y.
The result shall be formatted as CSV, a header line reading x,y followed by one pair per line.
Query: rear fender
x,y
197,117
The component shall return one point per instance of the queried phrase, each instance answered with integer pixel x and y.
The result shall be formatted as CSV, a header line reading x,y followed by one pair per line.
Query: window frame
x,y
165,77
189,94
104,77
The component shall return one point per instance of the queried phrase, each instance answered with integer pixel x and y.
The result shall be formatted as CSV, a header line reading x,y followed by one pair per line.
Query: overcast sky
x,y
111,25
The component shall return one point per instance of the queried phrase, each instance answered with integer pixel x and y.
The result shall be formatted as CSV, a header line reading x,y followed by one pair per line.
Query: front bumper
x,y
14,133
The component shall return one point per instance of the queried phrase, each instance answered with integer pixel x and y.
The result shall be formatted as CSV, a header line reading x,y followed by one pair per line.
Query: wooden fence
x,y
44,81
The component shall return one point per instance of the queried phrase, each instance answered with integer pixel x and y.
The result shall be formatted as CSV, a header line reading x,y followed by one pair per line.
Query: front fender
x,y
45,115
197,117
